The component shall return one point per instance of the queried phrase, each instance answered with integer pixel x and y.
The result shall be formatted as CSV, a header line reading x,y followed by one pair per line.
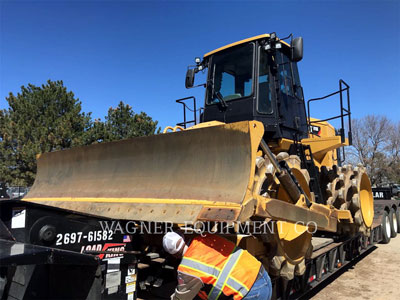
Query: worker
x,y
214,268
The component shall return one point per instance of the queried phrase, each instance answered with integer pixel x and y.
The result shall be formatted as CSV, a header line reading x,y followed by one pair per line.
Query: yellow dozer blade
x,y
200,174
203,174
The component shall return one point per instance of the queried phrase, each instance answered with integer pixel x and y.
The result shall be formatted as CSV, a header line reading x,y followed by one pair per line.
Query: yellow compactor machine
x,y
255,155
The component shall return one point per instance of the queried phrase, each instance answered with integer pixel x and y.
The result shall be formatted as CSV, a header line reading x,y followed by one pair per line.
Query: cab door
x,y
230,96
291,106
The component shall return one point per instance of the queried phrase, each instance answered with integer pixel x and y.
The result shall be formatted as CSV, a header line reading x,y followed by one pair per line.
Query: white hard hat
x,y
170,242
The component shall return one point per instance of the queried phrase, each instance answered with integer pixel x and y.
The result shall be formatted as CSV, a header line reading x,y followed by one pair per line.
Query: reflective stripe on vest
x,y
224,275
237,286
225,269
221,277
200,266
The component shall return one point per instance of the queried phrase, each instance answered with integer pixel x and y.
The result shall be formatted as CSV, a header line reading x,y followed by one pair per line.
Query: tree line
x,y
48,118
376,145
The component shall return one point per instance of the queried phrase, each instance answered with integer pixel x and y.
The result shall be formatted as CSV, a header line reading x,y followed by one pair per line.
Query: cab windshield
x,y
231,74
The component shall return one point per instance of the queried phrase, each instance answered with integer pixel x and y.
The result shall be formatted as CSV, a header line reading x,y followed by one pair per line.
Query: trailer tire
x,y
395,223
398,219
386,228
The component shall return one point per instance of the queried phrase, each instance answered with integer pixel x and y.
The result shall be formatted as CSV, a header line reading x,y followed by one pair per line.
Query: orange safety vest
x,y
229,271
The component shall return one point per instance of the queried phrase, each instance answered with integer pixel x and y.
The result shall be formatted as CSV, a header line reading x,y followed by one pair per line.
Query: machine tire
x,y
279,262
398,219
386,228
394,222
344,191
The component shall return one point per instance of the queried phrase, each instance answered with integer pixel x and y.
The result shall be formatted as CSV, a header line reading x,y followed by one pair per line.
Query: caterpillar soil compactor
x,y
254,156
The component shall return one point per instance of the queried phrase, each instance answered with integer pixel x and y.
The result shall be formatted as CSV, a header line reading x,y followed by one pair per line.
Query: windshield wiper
x,y
221,99
214,94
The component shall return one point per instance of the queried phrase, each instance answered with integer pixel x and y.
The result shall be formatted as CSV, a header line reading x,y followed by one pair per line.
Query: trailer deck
x,y
52,253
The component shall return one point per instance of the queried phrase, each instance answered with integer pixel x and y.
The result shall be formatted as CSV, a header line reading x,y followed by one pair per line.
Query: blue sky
x,y
107,51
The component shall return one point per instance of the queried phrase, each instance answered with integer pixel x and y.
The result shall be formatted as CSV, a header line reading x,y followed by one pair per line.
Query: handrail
x,y
185,106
344,111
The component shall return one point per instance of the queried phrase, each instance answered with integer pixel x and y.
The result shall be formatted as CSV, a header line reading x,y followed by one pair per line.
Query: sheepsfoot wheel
x,y
293,244
289,243
351,190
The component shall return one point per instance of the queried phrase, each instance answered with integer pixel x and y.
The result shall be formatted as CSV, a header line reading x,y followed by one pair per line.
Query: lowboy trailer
x,y
52,253
330,256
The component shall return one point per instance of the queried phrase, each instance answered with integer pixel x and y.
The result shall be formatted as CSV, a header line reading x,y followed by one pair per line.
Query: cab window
x,y
231,74
299,92
285,74
264,104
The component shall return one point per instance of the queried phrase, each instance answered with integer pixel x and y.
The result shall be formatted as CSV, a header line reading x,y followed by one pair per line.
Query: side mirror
x,y
297,49
189,81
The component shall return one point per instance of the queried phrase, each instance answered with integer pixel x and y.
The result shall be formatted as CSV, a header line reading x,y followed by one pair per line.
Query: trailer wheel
x,y
395,223
398,219
386,228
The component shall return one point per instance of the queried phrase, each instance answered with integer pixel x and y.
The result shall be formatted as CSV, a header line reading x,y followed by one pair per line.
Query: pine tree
x,y
48,118
39,119
122,123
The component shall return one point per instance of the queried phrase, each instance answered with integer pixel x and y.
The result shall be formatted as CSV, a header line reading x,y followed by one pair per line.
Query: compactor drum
x,y
351,190
291,242
255,156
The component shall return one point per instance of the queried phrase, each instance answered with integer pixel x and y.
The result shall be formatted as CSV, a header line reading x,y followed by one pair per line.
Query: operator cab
x,y
255,79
